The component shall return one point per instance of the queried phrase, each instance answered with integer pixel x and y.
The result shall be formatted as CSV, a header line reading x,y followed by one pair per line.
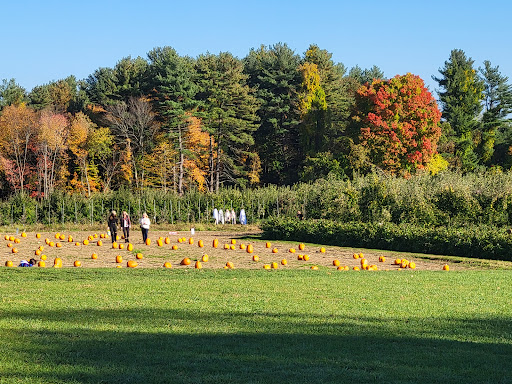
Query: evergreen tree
x,y
460,97
173,90
496,120
273,73
229,112
11,93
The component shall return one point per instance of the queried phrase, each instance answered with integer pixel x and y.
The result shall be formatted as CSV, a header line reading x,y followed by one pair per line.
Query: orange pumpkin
x,y
160,243
186,261
17,241
77,244
43,257
167,264
77,263
148,241
305,257
205,258
266,266
139,256
121,246
119,259
57,235
37,252
215,243
322,250
14,250
62,237
233,241
9,263
274,265
174,247
200,243
94,256
446,267
191,241
198,265
9,245
132,264
274,250
23,234
130,247
284,262
58,245
250,248
115,245
167,240
268,244
41,264
336,262
70,239
300,257
255,258
292,250
230,265
38,236
412,265
314,268
302,246
86,242
57,260
99,243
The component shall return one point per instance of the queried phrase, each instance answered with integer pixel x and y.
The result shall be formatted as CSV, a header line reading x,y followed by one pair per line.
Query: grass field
x,y
107,325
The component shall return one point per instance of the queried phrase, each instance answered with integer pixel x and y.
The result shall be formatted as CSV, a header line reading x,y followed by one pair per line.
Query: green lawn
x,y
242,326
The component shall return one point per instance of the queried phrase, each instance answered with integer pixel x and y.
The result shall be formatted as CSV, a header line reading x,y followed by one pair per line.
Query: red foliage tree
x,y
397,120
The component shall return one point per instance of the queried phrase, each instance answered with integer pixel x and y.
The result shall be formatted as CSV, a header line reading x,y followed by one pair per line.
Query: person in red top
x,y
126,224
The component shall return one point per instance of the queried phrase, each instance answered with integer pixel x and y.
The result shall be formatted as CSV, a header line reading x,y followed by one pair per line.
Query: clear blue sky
x,y
50,40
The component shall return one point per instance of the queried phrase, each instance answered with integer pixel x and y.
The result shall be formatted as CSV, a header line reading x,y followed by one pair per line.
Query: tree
x,y
229,109
363,76
496,120
52,135
273,74
397,120
461,96
173,91
18,129
11,93
134,125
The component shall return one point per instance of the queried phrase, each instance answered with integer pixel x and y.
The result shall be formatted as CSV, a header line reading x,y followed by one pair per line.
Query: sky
x,y
48,40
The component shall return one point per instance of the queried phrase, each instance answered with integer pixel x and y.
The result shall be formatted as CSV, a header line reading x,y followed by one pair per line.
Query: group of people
x,y
228,216
126,224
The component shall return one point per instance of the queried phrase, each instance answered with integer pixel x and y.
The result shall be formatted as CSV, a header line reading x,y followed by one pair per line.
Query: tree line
x,y
177,123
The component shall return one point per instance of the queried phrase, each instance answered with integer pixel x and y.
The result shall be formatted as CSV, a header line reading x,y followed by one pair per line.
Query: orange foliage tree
x,y
397,121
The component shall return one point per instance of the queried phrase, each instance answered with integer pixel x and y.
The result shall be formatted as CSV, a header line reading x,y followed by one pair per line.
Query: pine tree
x,y
460,97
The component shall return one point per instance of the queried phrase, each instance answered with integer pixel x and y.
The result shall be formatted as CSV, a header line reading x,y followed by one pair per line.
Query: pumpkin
x,y
99,243
94,256
148,241
336,262
291,250
322,250
167,264
266,266
242,246
305,257
446,267
274,250
232,247
205,258
38,236
302,246
41,247
14,250
314,267
233,241
167,240
115,245
86,242
268,244
17,241
77,263
62,237
412,265
129,247
119,259
300,257
57,235
356,268
121,246
284,262
70,239
250,248
77,244
41,264
43,257
11,238
52,244
9,245
341,268
58,245
200,243
6,237
57,260
131,264
255,258
398,261
230,265
186,261
9,263
198,265
274,265
160,243
191,241
37,252
215,243
382,259
174,247
139,256
23,234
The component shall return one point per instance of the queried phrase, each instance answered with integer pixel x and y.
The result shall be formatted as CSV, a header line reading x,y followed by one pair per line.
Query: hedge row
x,y
480,241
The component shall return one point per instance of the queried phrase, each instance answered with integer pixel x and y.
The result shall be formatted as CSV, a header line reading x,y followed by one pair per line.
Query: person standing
x,y
126,224
243,217
144,226
233,216
216,215
112,225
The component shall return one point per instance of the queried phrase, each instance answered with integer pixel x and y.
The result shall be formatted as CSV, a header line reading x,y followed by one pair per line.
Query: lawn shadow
x,y
279,350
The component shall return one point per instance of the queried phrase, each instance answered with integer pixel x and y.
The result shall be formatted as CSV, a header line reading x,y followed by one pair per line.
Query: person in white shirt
x,y
144,226
126,224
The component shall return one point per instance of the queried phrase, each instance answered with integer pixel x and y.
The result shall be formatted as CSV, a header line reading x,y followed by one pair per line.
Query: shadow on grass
x,y
182,347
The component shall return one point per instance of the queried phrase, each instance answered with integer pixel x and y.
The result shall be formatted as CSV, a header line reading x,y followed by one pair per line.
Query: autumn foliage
x,y
397,121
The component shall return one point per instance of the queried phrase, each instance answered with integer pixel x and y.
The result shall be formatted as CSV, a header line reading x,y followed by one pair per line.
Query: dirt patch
x,y
154,256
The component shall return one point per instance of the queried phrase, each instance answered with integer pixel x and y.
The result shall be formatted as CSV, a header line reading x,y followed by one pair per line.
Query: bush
x,y
474,241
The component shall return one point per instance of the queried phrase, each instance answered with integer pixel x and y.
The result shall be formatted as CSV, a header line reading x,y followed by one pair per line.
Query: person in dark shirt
x,y
112,225
300,216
